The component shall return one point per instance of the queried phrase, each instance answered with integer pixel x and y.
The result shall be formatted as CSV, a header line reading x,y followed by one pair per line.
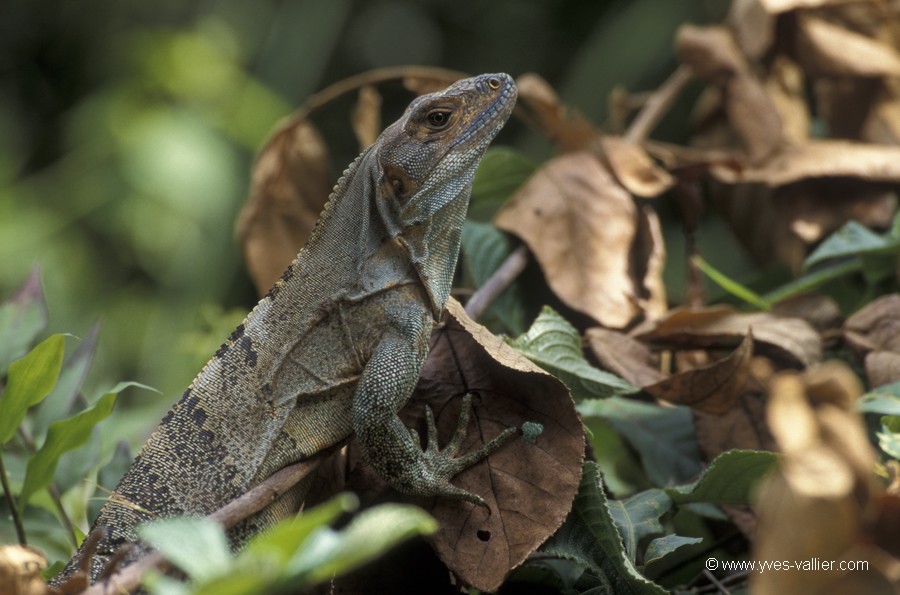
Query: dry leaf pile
x,y
797,131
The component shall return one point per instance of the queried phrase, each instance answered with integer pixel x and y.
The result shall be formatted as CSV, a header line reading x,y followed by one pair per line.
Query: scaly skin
x,y
336,346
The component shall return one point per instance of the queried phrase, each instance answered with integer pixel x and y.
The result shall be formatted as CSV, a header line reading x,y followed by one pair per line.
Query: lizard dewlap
x,y
335,348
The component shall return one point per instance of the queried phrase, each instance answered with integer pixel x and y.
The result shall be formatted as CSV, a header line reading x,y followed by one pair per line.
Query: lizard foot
x,y
444,463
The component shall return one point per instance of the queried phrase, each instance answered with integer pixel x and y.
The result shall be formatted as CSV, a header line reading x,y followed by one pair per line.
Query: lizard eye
x,y
438,119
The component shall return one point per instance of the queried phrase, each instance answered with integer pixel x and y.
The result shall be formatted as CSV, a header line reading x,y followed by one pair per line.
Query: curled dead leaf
x,y
529,487
541,107
785,85
876,327
818,159
633,167
581,226
721,326
753,27
712,54
366,118
624,356
778,6
20,570
289,186
827,48
714,388
824,484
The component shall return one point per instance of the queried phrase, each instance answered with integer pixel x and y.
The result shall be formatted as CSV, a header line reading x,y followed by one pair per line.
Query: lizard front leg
x,y
384,387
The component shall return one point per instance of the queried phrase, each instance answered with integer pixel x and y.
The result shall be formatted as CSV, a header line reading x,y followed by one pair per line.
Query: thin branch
x,y
511,268
657,105
229,515
17,520
28,439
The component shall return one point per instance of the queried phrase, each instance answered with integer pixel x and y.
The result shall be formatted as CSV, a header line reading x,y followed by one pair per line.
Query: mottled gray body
x,y
337,345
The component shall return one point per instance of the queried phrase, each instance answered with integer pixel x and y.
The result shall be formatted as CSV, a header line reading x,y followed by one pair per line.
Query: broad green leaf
x,y
590,538
59,402
371,533
30,380
729,479
63,436
22,317
554,344
852,239
889,437
501,172
883,399
196,545
662,436
283,540
484,248
663,546
638,517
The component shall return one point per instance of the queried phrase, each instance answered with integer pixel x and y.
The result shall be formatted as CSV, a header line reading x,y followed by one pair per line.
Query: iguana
x,y
335,348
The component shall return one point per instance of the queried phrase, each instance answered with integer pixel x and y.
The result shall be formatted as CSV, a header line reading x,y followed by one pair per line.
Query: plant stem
x,y
17,520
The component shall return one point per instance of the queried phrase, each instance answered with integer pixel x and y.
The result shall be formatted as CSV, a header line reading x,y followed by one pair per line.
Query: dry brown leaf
x,y
290,184
824,484
633,167
712,54
429,79
826,48
744,427
753,27
819,310
366,118
20,570
624,356
581,226
777,6
565,127
714,388
722,326
876,327
819,159
882,124
785,84
882,367
529,487
648,259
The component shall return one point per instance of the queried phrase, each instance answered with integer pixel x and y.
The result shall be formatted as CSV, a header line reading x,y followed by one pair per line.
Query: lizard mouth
x,y
494,115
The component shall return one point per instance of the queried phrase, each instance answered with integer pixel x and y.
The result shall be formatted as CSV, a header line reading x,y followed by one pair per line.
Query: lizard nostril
x,y
493,83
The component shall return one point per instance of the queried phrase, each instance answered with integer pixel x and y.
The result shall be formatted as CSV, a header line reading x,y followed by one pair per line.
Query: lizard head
x,y
429,156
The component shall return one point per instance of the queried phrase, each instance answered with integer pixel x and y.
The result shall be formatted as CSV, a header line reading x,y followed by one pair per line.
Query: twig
x,y
17,520
229,515
657,105
511,268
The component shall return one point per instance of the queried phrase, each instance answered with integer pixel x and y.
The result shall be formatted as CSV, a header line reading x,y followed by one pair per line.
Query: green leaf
x,y
661,547
590,538
63,436
501,172
889,437
61,399
196,545
30,380
884,399
638,517
283,540
22,318
663,436
729,479
554,344
371,533
852,239
484,249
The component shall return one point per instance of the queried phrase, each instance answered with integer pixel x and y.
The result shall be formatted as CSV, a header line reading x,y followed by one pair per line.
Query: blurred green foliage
x,y
127,131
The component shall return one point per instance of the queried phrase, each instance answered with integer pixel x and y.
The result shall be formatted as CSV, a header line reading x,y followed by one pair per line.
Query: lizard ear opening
x,y
398,184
